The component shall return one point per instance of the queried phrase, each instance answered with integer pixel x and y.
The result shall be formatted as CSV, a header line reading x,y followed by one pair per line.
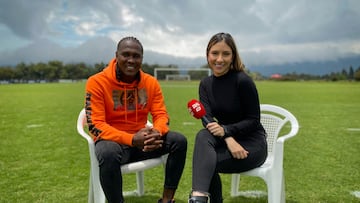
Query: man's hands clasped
x,y
147,139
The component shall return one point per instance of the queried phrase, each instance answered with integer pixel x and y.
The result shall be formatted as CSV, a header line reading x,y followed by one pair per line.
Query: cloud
x,y
27,19
266,31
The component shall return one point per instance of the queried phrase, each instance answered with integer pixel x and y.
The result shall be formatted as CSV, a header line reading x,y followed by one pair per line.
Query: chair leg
x,y
98,193
276,190
91,190
140,183
235,184
139,191
283,197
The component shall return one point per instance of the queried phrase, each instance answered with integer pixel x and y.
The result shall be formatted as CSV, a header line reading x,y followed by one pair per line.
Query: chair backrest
x,y
274,118
81,123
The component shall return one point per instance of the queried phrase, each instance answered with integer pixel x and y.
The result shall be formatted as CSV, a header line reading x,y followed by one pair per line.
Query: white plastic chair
x,y
273,118
96,193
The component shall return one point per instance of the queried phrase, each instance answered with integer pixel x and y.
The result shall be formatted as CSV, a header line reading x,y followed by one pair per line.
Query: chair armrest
x,y
294,128
292,133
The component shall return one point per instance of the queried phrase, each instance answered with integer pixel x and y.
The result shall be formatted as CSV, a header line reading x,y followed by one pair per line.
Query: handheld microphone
x,y
197,110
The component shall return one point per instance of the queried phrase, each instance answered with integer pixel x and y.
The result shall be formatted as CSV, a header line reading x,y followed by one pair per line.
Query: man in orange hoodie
x,y
118,102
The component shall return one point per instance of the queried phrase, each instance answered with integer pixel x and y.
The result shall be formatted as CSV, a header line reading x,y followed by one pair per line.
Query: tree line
x,y
350,74
53,71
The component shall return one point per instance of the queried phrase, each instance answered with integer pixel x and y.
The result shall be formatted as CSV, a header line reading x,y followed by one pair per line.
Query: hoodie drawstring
x,y
126,104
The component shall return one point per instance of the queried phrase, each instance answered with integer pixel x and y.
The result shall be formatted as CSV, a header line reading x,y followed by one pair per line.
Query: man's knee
x,y
107,152
178,140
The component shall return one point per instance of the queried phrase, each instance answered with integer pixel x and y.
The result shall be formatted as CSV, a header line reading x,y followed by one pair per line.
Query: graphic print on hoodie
x,y
129,99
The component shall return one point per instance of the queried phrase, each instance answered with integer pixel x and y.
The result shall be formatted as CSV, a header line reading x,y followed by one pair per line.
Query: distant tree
x,y
71,70
99,67
82,71
39,71
22,72
147,68
7,73
205,66
357,74
344,74
54,70
351,73
256,76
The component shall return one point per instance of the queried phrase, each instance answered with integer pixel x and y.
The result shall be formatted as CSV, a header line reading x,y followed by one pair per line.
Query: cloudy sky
x,y
266,31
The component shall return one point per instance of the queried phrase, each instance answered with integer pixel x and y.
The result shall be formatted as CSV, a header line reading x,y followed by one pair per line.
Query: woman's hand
x,y
237,151
215,129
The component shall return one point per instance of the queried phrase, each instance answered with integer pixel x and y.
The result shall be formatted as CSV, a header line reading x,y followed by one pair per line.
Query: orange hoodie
x,y
117,110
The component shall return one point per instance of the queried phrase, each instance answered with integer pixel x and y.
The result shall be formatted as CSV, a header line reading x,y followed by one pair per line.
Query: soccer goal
x,y
177,77
184,74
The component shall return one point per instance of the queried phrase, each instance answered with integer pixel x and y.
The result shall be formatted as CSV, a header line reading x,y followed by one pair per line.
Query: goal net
x,y
177,77
181,74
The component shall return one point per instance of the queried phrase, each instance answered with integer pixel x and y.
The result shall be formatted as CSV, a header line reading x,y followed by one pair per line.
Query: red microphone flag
x,y
196,109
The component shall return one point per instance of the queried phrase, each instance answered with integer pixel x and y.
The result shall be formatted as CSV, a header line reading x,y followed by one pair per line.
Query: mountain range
x,y
311,68
102,49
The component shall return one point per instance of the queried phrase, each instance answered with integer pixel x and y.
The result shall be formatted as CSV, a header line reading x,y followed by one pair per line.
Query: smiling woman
x,y
233,140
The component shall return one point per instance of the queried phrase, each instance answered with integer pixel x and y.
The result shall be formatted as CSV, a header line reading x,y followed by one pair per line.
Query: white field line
x,y
252,193
34,125
178,86
188,123
353,129
356,193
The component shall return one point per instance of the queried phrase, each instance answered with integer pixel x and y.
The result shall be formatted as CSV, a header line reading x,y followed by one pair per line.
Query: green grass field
x,y
43,159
